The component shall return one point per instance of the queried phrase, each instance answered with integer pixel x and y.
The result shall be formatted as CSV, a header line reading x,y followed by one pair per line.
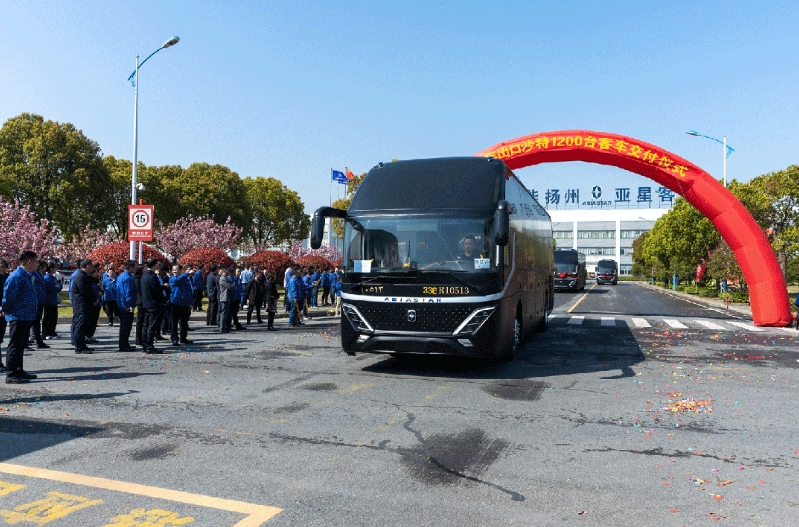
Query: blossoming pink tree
x,y
87,241
192,232
23,232
328,252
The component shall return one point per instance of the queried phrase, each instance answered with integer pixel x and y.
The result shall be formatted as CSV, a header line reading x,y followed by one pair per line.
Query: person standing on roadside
x,y
226,291
181,299
52,290
245,277
126,298
84,300
288,275
3,278
110,294
152,291
271,295
294,294
255,298
19,308
139,307
165,315
198,282
41,296
235,304
97,287
213,298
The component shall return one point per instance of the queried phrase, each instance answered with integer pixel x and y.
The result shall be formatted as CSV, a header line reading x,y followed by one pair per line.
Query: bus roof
x,y
434,185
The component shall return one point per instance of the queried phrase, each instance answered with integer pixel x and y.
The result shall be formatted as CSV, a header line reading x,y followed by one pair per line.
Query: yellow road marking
x,y
581,299
352,388
257,514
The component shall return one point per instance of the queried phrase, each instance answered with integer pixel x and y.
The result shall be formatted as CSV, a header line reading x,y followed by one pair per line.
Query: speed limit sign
x,y
140,223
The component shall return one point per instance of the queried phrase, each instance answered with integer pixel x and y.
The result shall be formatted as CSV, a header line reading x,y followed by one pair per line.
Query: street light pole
x,y
725,152
134,79
135,146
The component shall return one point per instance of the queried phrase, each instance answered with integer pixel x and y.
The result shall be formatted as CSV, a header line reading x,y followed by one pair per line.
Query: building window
x,y
625,269
626,251
597,250
562,235
596,234
632,234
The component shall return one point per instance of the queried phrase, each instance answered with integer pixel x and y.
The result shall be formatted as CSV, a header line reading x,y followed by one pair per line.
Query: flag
x,y
339,176
350,175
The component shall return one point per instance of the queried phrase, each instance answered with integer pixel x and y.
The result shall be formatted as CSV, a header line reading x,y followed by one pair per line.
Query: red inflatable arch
x,y
767,288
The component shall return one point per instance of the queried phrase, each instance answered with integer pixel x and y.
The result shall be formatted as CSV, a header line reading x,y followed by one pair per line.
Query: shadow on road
x,y
559,351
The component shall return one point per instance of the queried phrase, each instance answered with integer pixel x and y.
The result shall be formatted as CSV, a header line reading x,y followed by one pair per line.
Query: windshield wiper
x,y
368,280
455,276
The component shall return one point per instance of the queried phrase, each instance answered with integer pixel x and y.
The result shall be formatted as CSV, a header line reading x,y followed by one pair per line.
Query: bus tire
x,y
516,339
543,324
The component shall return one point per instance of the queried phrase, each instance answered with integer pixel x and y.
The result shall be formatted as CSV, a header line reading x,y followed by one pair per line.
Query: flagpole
x,y
331,187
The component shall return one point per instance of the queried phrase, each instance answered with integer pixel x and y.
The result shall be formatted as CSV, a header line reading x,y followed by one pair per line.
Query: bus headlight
x,y
474,321
356,318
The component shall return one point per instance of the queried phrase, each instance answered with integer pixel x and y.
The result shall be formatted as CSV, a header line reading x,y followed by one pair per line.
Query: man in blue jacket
x,y
294,296
41,296
19,308
126,301
181,299
52,288
198,282
110,294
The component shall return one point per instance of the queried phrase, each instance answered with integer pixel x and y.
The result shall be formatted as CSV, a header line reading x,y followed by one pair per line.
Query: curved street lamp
x,y
727,149
134,80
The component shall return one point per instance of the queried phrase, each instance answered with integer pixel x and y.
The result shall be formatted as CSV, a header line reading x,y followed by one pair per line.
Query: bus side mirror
x,y
317,231
318,223
502,223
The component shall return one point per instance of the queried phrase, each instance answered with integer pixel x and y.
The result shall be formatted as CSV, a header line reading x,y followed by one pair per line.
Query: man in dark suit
x,y
152,293
84,301
211,291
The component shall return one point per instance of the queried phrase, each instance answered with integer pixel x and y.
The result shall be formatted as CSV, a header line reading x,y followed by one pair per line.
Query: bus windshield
x,y
402,244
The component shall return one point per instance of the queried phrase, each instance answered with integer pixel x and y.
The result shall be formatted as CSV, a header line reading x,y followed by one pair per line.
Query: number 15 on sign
x,y
140,223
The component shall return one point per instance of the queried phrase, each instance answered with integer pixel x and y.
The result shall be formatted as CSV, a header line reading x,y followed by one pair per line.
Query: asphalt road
x,y
593,424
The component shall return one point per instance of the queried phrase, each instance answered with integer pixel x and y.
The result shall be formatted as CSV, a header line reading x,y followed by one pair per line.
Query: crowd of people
x,y
155,297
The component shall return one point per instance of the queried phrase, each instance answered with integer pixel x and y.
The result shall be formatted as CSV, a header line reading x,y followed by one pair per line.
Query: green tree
x,y
277,213
57,171
773,200
679,240
120,173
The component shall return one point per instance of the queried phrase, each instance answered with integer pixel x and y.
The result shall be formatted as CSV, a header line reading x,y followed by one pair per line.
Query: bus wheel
x,y
544,323
510,354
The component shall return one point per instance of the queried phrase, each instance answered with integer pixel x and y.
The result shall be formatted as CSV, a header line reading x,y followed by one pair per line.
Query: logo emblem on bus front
x,y
411,315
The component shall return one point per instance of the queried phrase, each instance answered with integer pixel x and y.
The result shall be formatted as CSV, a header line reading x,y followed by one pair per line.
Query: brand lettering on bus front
x,y
412,300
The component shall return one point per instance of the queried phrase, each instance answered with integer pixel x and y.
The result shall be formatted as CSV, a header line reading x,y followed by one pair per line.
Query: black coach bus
x,y
607,272
445,256
570,271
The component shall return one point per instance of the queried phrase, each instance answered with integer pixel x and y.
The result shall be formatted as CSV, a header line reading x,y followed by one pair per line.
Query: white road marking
x,y
711,325
747,327
608,321
641,323
676,324
576,320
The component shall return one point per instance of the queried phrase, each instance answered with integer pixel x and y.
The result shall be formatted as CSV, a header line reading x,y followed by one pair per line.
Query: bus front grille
x,y
443,318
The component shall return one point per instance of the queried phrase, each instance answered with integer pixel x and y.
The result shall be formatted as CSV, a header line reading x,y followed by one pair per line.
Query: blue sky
x,y
293,89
